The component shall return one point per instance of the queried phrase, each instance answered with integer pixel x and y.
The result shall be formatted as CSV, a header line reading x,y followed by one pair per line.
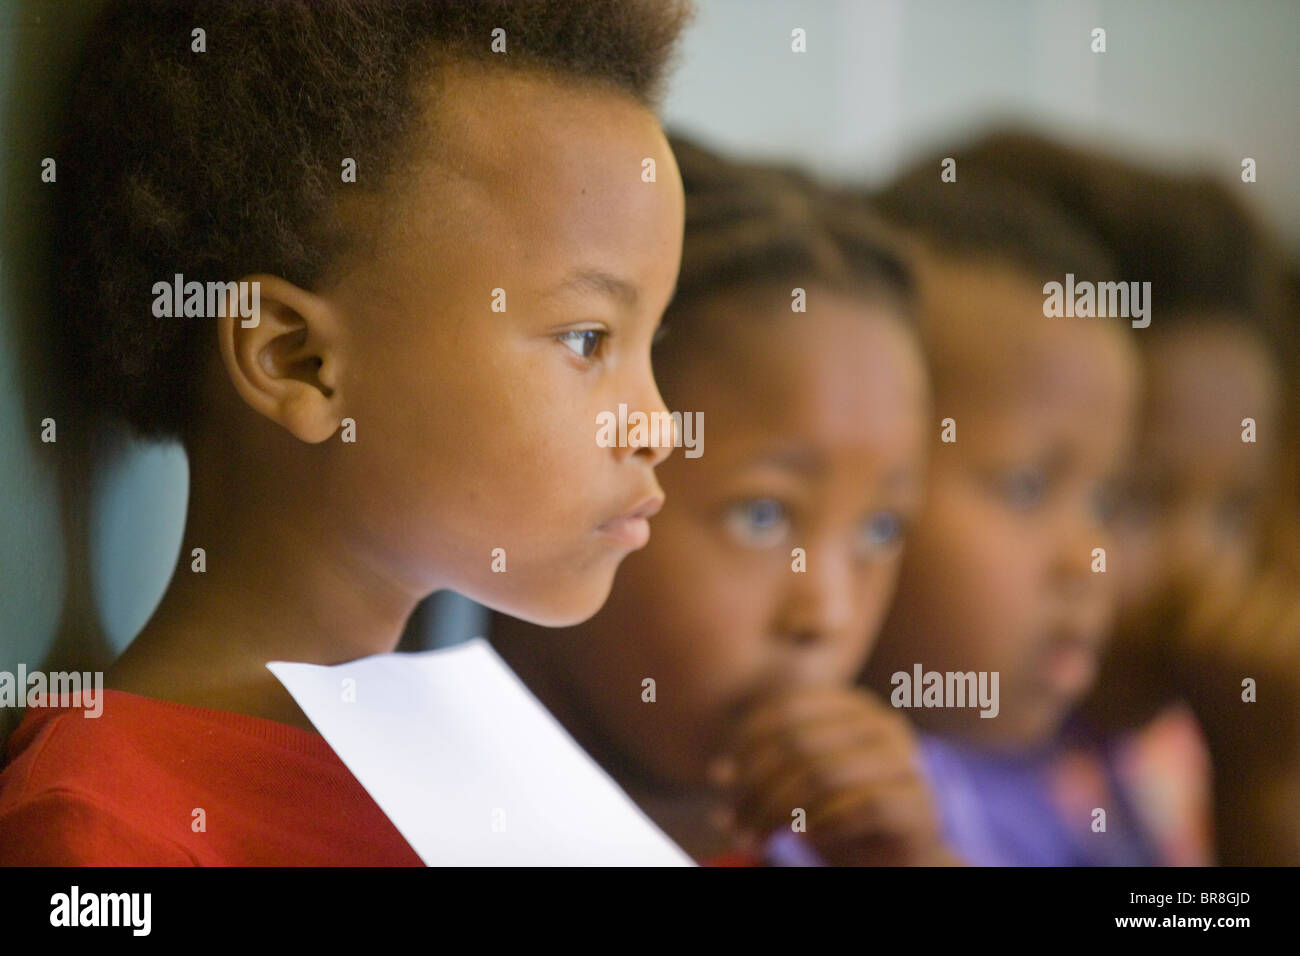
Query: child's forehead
x,y
1215,357
754,353
1062,387
985,332
1063,364
945,274
1200,390
773,406
489,123
532,194
978,316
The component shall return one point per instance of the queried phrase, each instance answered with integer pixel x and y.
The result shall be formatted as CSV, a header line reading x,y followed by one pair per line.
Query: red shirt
x,y
123,789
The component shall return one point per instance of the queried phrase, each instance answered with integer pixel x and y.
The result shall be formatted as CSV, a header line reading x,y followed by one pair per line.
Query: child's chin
x,y
1036,733
1012,732
555,604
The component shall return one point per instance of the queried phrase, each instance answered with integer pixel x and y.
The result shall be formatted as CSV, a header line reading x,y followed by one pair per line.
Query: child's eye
x,y
1105,504
1022,488
583,342
758,523
881,531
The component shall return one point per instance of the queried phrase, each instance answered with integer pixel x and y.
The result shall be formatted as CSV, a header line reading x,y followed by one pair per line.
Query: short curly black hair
x,y
226,162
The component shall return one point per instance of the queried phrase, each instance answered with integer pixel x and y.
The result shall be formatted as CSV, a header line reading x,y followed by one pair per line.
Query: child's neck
x,y
156,666
277,583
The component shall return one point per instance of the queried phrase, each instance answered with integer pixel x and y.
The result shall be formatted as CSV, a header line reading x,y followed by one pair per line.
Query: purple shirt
x,y
998,809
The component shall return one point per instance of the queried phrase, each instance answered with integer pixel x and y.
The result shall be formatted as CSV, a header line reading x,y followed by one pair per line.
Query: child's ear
x,y
282,347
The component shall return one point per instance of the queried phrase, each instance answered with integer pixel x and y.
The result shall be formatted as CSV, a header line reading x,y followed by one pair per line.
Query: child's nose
x,y
659,442
1191,548
1082,556
820,602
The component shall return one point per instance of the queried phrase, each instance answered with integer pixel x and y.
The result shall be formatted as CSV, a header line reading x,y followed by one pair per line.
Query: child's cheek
x,y
995,566
877,592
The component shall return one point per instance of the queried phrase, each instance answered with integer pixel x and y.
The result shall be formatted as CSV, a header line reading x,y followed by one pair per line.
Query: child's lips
x,y
632,528
632,533
1068,665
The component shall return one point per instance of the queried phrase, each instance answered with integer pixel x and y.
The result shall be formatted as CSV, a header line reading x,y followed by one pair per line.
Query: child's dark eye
x,y
881,531
1023,488
583,342
757,523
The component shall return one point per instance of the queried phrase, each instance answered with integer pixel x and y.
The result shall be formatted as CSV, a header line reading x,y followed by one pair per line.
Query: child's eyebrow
x,y
903,479
796,460
1060,459
602,283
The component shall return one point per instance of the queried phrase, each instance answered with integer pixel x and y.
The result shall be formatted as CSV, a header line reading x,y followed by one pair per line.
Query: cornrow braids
x,y
750,224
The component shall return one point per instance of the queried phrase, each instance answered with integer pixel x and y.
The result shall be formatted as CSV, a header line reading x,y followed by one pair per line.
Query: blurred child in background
x,y
1234,656
1206,529
1003,573
716,684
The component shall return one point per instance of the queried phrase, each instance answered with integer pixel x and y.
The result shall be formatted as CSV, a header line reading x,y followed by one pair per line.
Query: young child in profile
x,y
357,444
1005,573
716,684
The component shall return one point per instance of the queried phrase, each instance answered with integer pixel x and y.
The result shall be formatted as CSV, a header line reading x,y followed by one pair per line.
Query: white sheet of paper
x,y
468,764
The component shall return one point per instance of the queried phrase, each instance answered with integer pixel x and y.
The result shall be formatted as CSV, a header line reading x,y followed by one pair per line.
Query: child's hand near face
x,y
844,758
